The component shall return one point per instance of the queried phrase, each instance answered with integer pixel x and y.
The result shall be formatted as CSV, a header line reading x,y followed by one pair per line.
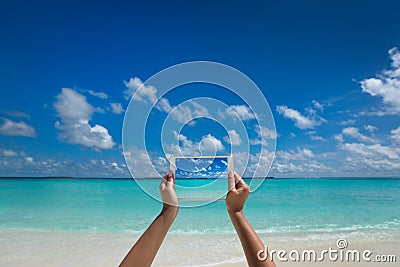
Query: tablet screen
x,y
203,167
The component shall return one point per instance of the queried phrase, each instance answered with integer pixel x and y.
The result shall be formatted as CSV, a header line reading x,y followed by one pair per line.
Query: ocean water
x,y
281,206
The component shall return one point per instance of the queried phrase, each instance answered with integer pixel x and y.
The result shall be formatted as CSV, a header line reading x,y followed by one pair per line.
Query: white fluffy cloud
x,y
259,163
17,114
185,113
208,144
72,106
117,108
135,88
98,94
371,151
395,135
300,121
307,152
318,105
355,133
75,113
347,122
317,138
233,138
338,137
16,128
243,111
370,128
8,153
26,166
293,155
164,105
366,155
142,165
374,159
386,85
308,168
211,143
264,134
301,162
372,166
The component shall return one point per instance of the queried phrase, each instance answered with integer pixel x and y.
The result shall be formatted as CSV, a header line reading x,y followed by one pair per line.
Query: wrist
x,y
169,210
235,213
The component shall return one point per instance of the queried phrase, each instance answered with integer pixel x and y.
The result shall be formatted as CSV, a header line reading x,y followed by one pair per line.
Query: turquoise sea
x,y
278,206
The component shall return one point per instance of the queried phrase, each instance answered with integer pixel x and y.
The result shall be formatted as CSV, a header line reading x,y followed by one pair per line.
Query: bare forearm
x,y
145,249
251,243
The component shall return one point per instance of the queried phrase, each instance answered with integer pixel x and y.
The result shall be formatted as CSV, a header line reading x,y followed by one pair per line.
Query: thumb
x,y
231,181
171,180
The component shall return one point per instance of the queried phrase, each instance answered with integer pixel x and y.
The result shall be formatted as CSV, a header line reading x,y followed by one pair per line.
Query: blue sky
x,y
330,71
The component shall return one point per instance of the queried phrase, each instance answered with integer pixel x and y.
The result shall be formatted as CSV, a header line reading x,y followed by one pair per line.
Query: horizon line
x,y
155,178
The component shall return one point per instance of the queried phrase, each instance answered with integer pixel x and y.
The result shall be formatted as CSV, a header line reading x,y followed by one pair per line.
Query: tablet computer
x,y
201,167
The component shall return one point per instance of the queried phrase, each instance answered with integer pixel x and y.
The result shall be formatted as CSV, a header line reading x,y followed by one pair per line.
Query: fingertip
x,y
237,178
162,185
